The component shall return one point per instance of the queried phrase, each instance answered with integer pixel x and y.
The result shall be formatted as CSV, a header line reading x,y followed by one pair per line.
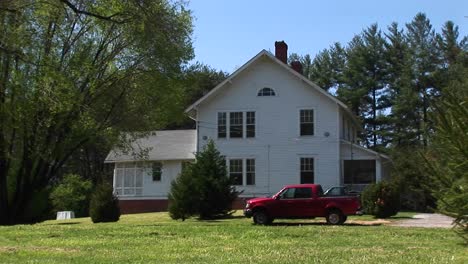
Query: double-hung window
x,y
250,171
307,122
307,170
157,171
242,171
222,126
235,171
236,124
250,124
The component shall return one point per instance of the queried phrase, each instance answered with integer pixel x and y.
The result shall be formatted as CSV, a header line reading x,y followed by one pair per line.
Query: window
x,y
238,174
250,171
222,125
235,171
128,179
302,193
250,125
307,170
307,122
359,171
266,92
236,124
297,193
235,127
157,171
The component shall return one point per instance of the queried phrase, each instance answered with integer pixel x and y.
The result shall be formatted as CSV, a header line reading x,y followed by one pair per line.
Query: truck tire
x,y
260,217
335,217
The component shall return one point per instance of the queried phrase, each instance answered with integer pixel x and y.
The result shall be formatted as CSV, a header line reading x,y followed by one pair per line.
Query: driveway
x,y
426,220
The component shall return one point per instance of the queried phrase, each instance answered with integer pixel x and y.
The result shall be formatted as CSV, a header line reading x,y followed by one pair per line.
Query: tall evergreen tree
x,y
425,58
403,98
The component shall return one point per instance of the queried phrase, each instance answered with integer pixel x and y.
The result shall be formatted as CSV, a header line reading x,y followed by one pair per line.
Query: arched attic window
x,y
266,92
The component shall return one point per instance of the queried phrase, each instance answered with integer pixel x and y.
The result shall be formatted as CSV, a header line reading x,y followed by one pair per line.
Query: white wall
x,y
156,189
277,146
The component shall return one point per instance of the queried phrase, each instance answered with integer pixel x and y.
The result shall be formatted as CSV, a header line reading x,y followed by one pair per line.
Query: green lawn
x,y
155,238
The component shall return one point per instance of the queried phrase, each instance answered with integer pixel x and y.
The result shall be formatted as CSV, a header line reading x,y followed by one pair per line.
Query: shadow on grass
x,y
220,219
322,224
65,223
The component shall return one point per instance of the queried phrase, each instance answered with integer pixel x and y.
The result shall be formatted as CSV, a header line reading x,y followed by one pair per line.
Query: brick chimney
x,y
281,51
297,66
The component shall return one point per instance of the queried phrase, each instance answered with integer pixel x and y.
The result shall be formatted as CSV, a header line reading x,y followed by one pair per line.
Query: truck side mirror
x,y
277,197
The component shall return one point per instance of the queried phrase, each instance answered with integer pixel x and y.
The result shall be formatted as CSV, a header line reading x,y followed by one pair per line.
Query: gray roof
x,y
159,145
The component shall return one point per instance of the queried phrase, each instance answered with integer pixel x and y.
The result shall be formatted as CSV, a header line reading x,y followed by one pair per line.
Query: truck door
x,y
295,202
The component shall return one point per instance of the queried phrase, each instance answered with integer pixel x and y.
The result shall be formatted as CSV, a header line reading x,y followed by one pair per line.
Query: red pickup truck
x,y
302,201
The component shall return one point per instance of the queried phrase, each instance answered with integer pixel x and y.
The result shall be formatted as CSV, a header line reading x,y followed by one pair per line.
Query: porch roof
x,y
159,145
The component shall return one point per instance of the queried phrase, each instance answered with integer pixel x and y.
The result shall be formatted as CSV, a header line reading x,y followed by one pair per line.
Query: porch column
x,y
378,170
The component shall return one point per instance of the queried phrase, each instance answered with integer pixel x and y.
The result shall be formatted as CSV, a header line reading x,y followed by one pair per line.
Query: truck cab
x,y
302,201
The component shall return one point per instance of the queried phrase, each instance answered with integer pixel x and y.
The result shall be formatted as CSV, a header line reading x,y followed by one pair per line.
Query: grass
x,y
155,238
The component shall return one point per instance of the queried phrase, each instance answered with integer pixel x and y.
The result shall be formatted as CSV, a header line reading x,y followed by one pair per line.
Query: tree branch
x,y
87,13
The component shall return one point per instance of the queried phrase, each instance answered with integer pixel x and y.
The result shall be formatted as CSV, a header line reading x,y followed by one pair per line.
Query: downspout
x,y
268,157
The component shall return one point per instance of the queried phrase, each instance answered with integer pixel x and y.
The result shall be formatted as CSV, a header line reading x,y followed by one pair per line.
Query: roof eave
x,y
228,80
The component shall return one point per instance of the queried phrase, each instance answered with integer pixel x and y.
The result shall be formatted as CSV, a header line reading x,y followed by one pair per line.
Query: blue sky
x,y
228,33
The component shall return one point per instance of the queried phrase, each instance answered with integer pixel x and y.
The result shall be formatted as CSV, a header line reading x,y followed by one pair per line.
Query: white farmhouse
x,y
274,126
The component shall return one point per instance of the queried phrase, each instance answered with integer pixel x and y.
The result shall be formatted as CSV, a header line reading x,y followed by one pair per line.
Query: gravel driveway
x,y
426,220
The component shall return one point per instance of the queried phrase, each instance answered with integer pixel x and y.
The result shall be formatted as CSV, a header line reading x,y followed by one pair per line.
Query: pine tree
x,y
403,98
204,189
425,58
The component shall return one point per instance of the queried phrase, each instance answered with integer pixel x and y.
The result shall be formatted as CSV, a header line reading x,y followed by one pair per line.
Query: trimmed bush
x,y
203,189
381,199
104,206
72,194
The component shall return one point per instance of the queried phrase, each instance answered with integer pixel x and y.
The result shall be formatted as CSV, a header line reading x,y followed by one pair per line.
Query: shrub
x,y
203,188
72,194
381,199
104,206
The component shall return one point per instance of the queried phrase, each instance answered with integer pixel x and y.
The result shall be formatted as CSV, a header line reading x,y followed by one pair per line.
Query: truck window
x,y
302,193
288,193
296,193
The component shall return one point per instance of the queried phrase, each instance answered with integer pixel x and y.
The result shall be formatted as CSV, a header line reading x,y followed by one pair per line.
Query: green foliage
x,y
72,194
412,179
104,206
381,199
447,158
203,189
74,75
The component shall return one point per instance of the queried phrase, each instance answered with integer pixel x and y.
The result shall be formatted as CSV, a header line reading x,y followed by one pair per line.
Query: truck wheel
x,y
260,217
335,217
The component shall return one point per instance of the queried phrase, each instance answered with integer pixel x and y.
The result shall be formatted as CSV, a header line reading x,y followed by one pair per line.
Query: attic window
x,y
266,92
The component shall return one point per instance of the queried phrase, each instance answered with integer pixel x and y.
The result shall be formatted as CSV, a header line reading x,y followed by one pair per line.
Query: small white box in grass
x,y
63,215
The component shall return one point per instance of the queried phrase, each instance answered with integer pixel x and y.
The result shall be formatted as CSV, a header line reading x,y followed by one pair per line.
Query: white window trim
x,y
298,118
244,124
123,188
161,170
298,166
274,90
244,169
